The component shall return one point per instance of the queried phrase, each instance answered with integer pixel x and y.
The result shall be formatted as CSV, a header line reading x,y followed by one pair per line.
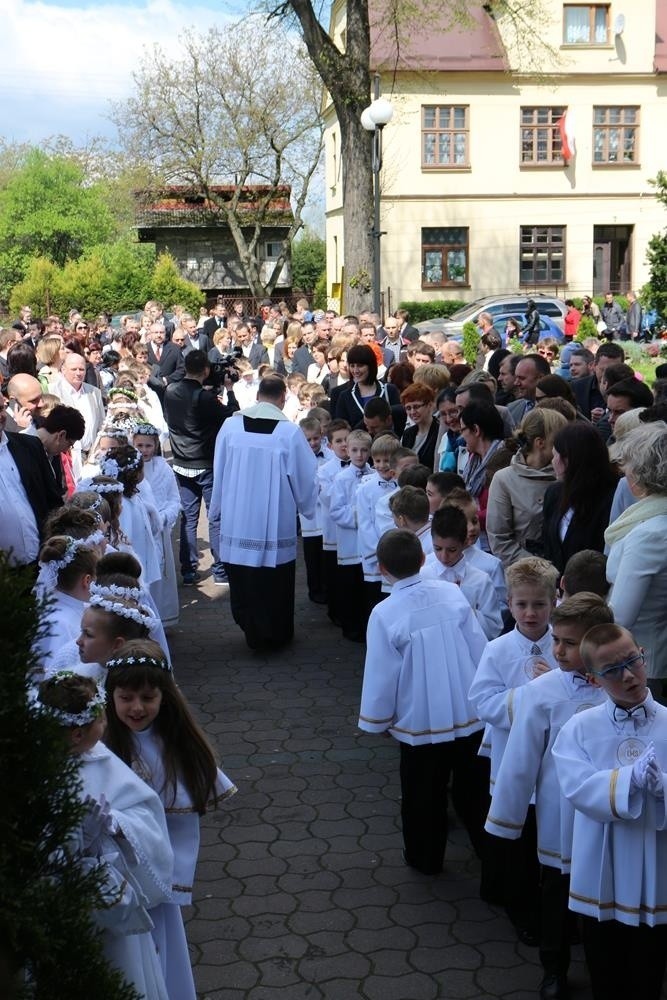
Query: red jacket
x,y
571,323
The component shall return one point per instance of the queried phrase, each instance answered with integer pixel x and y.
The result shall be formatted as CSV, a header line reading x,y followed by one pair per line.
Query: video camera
x,y
220,370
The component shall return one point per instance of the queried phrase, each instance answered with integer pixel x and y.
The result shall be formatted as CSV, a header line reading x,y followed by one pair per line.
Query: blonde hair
x,y
532,572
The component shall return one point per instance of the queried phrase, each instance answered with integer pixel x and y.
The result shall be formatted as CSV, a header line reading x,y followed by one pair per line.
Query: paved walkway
x,y
301,891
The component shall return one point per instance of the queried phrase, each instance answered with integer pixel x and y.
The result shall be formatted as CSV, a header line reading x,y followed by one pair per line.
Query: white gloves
x,y
646,773
98,820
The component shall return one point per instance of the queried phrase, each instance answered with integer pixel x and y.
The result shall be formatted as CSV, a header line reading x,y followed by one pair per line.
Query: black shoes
x,y
554,987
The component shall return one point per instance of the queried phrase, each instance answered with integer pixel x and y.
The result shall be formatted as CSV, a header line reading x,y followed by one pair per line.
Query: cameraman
x,y
194,416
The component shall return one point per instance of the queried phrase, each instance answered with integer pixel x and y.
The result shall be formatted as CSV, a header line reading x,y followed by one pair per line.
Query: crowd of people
x,y
493,532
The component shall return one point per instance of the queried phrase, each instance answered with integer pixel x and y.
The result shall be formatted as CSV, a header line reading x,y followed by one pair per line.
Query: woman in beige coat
x,y
514,513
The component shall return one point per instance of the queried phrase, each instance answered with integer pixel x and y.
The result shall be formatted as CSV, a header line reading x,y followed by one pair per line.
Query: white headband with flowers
x,y
92,711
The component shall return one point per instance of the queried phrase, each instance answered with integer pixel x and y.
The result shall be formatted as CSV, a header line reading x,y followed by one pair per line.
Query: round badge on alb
x,y
630,750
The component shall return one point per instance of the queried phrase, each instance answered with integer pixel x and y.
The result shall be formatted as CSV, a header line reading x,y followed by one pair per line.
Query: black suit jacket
x,y
427,451
587,394
205,344
36,474
170,366
258,355
581,534
210,327
302,359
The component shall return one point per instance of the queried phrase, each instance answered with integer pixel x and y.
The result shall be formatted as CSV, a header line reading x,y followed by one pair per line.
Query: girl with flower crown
x,y
123,833
162,481
139,517
151,728
66,571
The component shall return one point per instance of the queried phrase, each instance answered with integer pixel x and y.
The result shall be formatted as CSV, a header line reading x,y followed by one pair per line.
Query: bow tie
x,y
319,454
579,680
344,463
386,483
637,714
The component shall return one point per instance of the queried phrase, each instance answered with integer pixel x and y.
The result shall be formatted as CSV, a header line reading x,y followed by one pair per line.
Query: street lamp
x,y
374,118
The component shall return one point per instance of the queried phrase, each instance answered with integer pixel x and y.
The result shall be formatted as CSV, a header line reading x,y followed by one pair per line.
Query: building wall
x,y
495,195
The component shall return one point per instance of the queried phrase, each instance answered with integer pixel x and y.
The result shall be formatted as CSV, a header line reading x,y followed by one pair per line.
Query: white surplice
x,y
499,684
528,765
369,494
475,586
63,620
343,512
260,483
619,849
139,862
135,522
423,645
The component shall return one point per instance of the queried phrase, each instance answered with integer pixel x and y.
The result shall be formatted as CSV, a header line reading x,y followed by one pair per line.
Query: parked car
x,y
498,306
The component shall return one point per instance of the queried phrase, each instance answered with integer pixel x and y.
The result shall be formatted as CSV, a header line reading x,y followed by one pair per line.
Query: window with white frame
x,y
585,24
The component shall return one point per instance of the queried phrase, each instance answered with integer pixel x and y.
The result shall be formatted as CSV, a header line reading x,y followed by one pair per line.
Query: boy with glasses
x,y
611,762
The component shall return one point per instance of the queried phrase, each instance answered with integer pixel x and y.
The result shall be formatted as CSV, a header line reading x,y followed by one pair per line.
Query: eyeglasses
x,y
413,406
615,672
81,326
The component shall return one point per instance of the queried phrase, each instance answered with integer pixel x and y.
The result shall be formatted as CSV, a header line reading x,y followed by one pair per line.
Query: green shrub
x,y
320,292
470,342
587,328
420,311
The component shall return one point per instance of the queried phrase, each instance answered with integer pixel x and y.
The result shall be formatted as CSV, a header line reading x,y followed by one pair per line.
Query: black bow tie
x,y
622,714
344,463
319,454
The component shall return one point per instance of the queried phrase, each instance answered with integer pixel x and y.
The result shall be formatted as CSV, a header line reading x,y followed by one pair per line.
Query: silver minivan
x,y
497,305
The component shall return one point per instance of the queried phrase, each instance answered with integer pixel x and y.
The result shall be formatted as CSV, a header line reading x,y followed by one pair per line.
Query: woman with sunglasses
x,y
637,562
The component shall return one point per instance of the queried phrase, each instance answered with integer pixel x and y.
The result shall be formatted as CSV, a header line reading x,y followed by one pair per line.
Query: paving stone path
x,y
301,890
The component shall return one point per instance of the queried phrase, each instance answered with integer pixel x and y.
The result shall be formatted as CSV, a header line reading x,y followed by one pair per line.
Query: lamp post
x,y
374,118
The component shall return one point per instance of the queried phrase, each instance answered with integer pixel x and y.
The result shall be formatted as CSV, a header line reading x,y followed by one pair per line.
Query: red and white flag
x,y
566,127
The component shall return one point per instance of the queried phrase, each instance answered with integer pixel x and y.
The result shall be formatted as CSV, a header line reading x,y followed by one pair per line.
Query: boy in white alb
x,y
449,531
409,508
401,459
372,491
528,765
509,662
472,552
311,527
423,646
338,459
611,763
343,512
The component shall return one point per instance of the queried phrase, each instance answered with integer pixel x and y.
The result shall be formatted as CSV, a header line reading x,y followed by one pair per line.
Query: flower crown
x,y
92,711
113,590
109,465
141,615
149,430
131,661
90,486
121,391
49,571
116,430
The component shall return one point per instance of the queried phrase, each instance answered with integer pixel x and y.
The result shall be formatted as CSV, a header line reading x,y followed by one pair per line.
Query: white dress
x,y
141,528
139,867
184,835
619,849
162,481
63,620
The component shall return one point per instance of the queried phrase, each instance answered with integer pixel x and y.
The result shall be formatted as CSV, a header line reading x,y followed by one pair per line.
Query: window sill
x,y
453,284
587,46
552,165
611,165
455,168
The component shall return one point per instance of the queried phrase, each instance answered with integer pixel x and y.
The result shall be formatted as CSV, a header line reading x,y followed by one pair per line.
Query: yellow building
x,y
506,168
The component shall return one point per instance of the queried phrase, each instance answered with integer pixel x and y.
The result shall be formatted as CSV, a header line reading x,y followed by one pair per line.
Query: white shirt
x,y
18,527
343,512
372,490
475,586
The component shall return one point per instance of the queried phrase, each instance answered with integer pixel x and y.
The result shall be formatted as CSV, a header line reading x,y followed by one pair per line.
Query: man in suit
x,y
528,373
74,391
590,400
303,358
255,352
28,492
25,399
165,359
406,331
195,340
216,321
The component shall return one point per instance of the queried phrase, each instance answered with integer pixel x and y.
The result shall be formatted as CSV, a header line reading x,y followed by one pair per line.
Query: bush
x,y
420,311
320,299
169,287
309,259
470,343
587,328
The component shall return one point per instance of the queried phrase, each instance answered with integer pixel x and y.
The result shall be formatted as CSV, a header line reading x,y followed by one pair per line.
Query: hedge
x,y
420,311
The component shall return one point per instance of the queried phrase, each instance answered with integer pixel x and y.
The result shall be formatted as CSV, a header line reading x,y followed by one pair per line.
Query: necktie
x,y
530,405
535,650
158,353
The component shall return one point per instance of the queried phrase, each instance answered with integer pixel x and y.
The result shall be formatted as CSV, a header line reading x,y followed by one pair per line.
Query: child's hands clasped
x,y
646,772
99,819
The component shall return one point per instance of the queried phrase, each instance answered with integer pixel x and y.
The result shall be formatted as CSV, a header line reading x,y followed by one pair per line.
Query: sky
x,y
62,61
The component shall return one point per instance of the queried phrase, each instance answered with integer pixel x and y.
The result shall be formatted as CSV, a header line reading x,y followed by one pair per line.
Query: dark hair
x,y
458,372
126,454
401,375
70,693
586,571
610,350
196,363
187,754
583,352
64,418
119,562
84,561
496,360
617,373
72,521
446,395
480,391
361,354
656,412
377,406
446,481
414,475
588,472
411,502
271,387
554,386
21,360
486,417
450,522
399,551
542,366
492,340
637,392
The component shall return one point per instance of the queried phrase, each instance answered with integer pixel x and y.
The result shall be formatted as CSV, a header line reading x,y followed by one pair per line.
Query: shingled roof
x,y
180,205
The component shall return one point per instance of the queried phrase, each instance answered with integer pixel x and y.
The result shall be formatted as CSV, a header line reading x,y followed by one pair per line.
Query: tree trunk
x,y
356,152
